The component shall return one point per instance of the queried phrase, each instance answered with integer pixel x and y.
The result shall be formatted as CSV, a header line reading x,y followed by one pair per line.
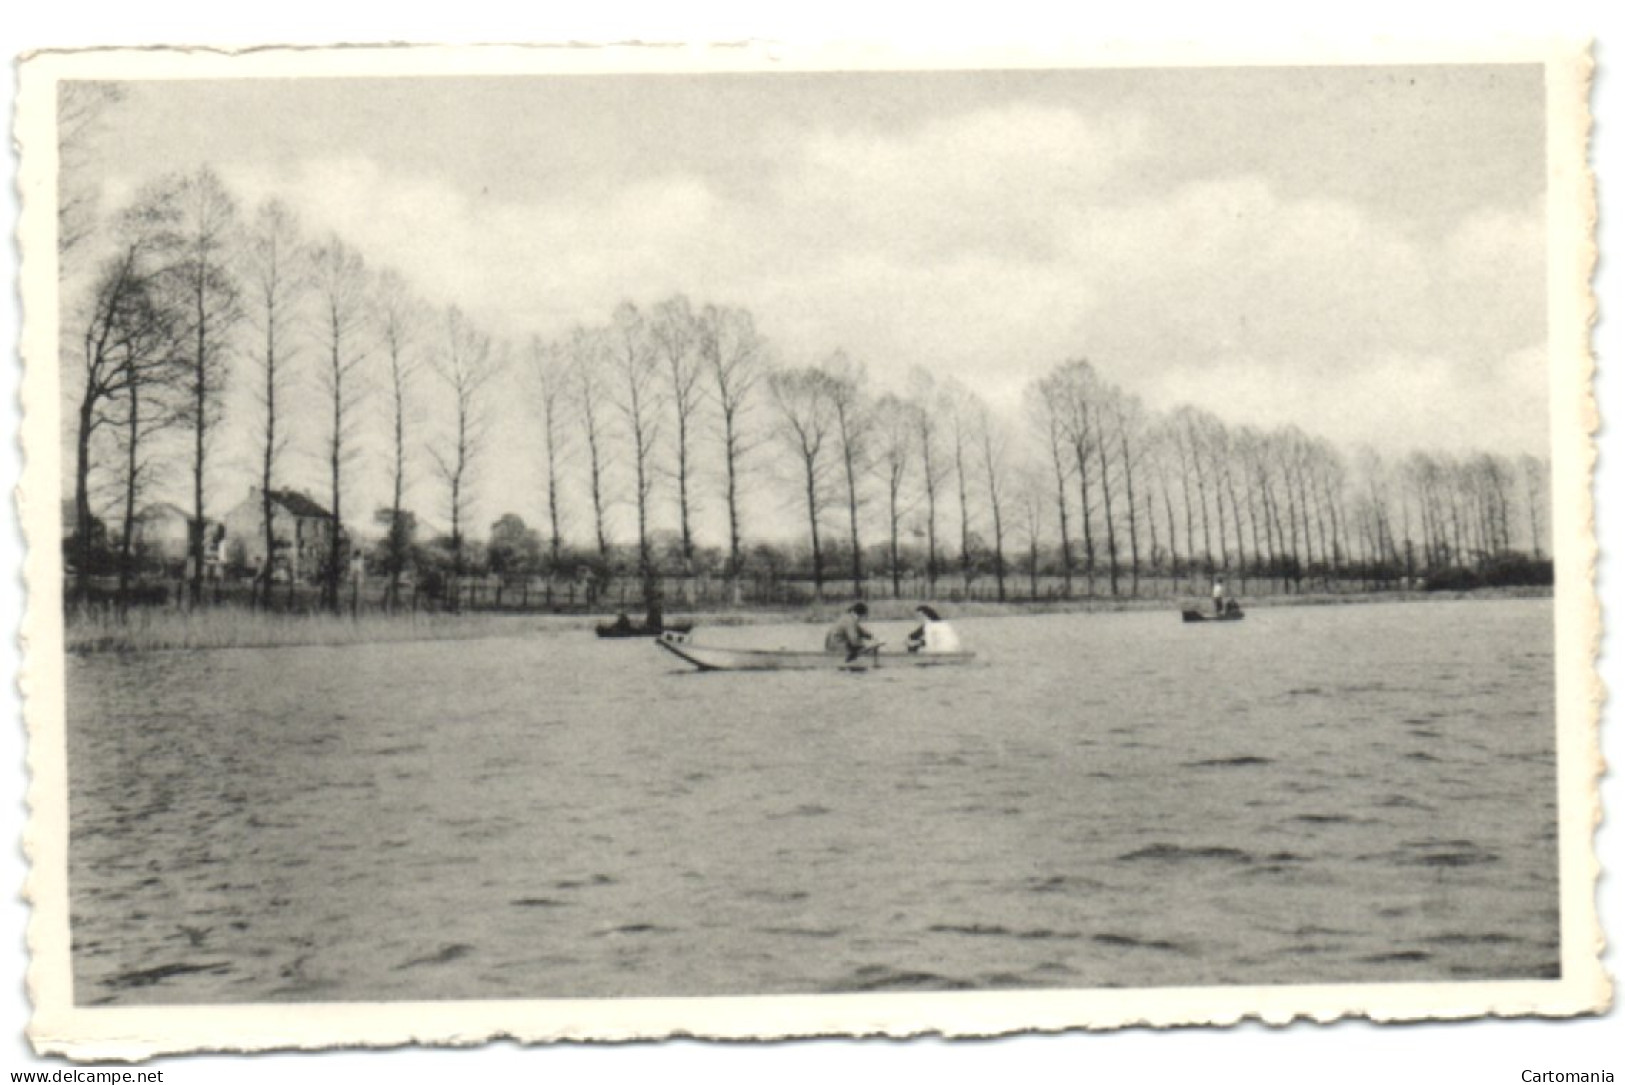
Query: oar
x,y
868,649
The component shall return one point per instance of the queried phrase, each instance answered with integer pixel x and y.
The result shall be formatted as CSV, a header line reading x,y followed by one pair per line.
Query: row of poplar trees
x,y
673,409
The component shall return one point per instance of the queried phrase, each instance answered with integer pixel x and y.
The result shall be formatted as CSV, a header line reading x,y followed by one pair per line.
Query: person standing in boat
x,y
933,634
1218,595
847,635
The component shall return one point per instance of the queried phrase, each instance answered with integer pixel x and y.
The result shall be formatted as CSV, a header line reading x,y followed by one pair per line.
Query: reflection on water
x,y
1317,794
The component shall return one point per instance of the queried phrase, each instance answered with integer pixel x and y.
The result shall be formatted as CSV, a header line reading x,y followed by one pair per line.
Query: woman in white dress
x,y
933,634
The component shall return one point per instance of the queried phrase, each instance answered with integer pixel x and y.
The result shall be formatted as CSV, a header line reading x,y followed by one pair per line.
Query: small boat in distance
x,y
1234,615
710,658
613,630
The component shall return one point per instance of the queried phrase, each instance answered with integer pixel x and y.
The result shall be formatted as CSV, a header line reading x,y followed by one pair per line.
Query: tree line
x,y
671,412
193,292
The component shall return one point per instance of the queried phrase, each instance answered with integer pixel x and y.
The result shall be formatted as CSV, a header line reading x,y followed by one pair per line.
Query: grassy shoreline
x,y
156,630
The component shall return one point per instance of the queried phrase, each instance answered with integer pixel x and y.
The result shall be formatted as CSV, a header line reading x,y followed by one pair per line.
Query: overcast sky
x,y
1359,251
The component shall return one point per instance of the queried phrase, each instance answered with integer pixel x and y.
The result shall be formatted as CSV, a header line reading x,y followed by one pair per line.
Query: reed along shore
x,y
149,629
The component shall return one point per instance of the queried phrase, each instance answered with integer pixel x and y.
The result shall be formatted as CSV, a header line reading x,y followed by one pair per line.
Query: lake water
x,y
1314,795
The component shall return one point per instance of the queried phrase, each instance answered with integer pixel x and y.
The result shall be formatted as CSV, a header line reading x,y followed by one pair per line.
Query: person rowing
x,y
848,636
933,634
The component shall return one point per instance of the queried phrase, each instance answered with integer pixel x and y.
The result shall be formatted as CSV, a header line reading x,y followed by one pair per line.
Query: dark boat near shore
x,y
1228,616
614,630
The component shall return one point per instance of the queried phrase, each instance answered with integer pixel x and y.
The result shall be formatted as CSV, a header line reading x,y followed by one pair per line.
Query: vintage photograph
x,y
555,532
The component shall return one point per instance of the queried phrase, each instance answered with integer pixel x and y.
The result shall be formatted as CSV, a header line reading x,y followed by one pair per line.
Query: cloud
x,y
503,261
987,246
990,181
1397,403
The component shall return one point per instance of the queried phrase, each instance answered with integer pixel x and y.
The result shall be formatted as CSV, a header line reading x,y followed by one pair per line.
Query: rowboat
x,y
1227,616
711,658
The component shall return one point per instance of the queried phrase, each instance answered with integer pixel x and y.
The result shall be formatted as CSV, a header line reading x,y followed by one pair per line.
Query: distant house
x,y
70,524
71,552
301,529
161,532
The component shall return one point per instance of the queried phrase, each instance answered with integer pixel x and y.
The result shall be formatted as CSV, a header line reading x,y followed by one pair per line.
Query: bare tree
x,y
1224,445
805,420
396,317
1330,476
81,106
1031,500
1195,427
1536,479
1213,444
130,340
993,444
953,403
465,364
1046,402
1433,476
207,230
1288,443
1128,427
339,280
933,469
850,404
1271,470
1301,464
276,272
550,369
148,408
1075,387
1407,559
1178,431
1493,478
1461,547
895,427
636,395
1374,473
1163,444
1099,426
735,357
586,375
148,371
676,334
1202,444
1314,468
1250,465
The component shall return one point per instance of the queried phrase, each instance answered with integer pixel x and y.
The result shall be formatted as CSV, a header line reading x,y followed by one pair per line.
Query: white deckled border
x,y
79,1032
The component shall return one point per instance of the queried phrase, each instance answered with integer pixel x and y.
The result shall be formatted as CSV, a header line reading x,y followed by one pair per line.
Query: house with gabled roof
x,y
302,531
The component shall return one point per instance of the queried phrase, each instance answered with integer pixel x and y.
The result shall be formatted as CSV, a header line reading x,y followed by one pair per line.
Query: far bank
x,y
230,625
